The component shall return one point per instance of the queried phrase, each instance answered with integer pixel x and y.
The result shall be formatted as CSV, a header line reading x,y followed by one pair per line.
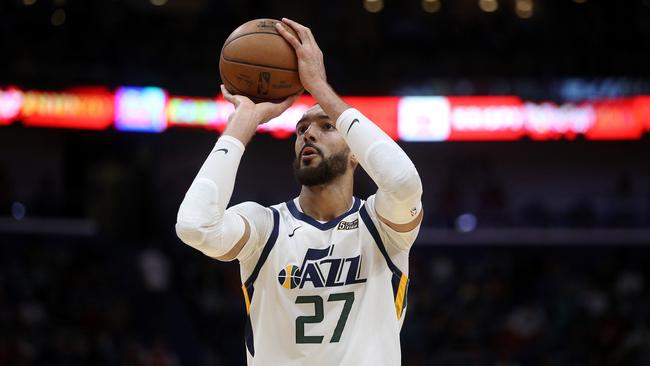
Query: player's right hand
x,y
310,58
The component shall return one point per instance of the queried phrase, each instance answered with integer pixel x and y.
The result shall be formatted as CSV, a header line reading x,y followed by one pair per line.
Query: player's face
x,y
321,152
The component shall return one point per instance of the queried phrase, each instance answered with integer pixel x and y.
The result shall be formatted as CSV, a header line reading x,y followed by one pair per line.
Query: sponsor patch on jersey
x,y
345,225
320,269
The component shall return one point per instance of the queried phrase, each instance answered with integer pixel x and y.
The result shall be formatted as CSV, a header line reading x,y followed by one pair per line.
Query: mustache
x,y
309,144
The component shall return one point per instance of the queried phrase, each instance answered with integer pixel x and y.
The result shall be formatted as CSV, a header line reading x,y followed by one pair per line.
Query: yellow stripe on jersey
x,y
287,280
246,299
399,300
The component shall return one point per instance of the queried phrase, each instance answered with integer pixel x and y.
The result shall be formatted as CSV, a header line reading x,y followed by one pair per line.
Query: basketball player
x,y
325,274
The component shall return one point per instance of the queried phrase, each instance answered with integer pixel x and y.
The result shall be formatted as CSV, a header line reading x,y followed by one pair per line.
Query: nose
x,y
310,133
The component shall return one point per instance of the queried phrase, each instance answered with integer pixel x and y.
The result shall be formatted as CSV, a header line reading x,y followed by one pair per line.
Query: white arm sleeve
x,y
203,222
399,195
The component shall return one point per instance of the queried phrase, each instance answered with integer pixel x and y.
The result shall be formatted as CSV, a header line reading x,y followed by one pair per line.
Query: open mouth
x,y
308,154
308,151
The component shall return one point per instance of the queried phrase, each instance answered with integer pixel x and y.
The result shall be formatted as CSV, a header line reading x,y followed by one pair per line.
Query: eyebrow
x,y
318,116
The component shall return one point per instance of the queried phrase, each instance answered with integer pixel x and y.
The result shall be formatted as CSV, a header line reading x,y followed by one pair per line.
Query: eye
x,y
301,129
329,126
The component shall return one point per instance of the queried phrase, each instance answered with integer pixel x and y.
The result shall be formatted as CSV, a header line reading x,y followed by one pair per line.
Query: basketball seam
x,y
247,34
248,63
232,85
275,100
254,64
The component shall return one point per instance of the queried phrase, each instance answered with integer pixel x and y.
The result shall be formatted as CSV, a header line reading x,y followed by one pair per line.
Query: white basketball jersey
x,y
331,293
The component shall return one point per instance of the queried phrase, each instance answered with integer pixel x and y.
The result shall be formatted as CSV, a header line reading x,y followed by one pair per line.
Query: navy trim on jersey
x,y
365,217
397,273
248,328
318,225
250,288
267,249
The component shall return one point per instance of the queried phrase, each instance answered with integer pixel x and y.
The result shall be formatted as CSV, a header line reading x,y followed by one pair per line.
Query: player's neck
x,y
328,201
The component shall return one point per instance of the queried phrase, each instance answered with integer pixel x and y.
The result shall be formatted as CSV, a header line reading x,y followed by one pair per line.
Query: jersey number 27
x,y
318,316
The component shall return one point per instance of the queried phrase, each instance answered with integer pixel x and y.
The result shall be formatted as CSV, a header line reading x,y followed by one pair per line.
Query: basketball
x,y
257,62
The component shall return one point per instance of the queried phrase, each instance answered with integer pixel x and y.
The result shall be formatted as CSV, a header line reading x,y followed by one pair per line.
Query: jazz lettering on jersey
x,y
320,269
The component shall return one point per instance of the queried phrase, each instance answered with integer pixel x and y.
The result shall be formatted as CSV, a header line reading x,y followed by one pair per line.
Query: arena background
x,y
534,247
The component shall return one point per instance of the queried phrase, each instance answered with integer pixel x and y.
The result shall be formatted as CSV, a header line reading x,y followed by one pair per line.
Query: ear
x,y
353,161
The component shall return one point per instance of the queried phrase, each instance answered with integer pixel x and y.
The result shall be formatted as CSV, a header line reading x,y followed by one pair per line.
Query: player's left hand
x,y
310,58
257,113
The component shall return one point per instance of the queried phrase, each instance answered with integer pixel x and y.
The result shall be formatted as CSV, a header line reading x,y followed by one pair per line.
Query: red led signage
x,y
11,99
549,121
408,118
615,120
92,109
381,110
642,110
485,118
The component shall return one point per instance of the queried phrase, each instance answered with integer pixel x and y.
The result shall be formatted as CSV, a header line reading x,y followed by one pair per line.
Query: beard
x,y
326,171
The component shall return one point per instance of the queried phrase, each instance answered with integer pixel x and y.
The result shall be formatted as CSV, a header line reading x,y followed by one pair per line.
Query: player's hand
x,y
247,111
310,58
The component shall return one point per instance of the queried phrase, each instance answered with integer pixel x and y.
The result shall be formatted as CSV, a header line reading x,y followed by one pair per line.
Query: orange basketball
x,y
256,61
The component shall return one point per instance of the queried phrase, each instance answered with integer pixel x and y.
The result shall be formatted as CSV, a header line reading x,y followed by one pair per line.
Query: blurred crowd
x,y
131,185
528,306
82,302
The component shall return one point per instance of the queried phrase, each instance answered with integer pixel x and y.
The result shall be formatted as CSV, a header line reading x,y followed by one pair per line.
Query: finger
x,y
277,109
293,24
297,27
306,35
225,92
290,100
310,35
227,96
293,41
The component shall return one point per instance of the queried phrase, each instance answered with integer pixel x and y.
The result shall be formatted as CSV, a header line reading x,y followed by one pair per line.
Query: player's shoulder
x,y
251,210
368,214
369,204
248,206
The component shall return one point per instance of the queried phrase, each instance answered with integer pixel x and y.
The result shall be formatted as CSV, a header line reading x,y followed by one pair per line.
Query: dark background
x,y
175,46
554,272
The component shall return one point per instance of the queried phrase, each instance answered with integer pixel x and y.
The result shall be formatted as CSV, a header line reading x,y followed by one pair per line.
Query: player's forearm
x,y
400,188
327,98
242,126
200,221
210,192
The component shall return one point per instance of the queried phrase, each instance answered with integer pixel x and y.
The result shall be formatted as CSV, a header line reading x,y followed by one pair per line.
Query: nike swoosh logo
x,y
294,231
225,151
351,124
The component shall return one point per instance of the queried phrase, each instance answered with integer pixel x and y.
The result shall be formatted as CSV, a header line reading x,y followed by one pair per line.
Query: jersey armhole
x,y
248,287
399,280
